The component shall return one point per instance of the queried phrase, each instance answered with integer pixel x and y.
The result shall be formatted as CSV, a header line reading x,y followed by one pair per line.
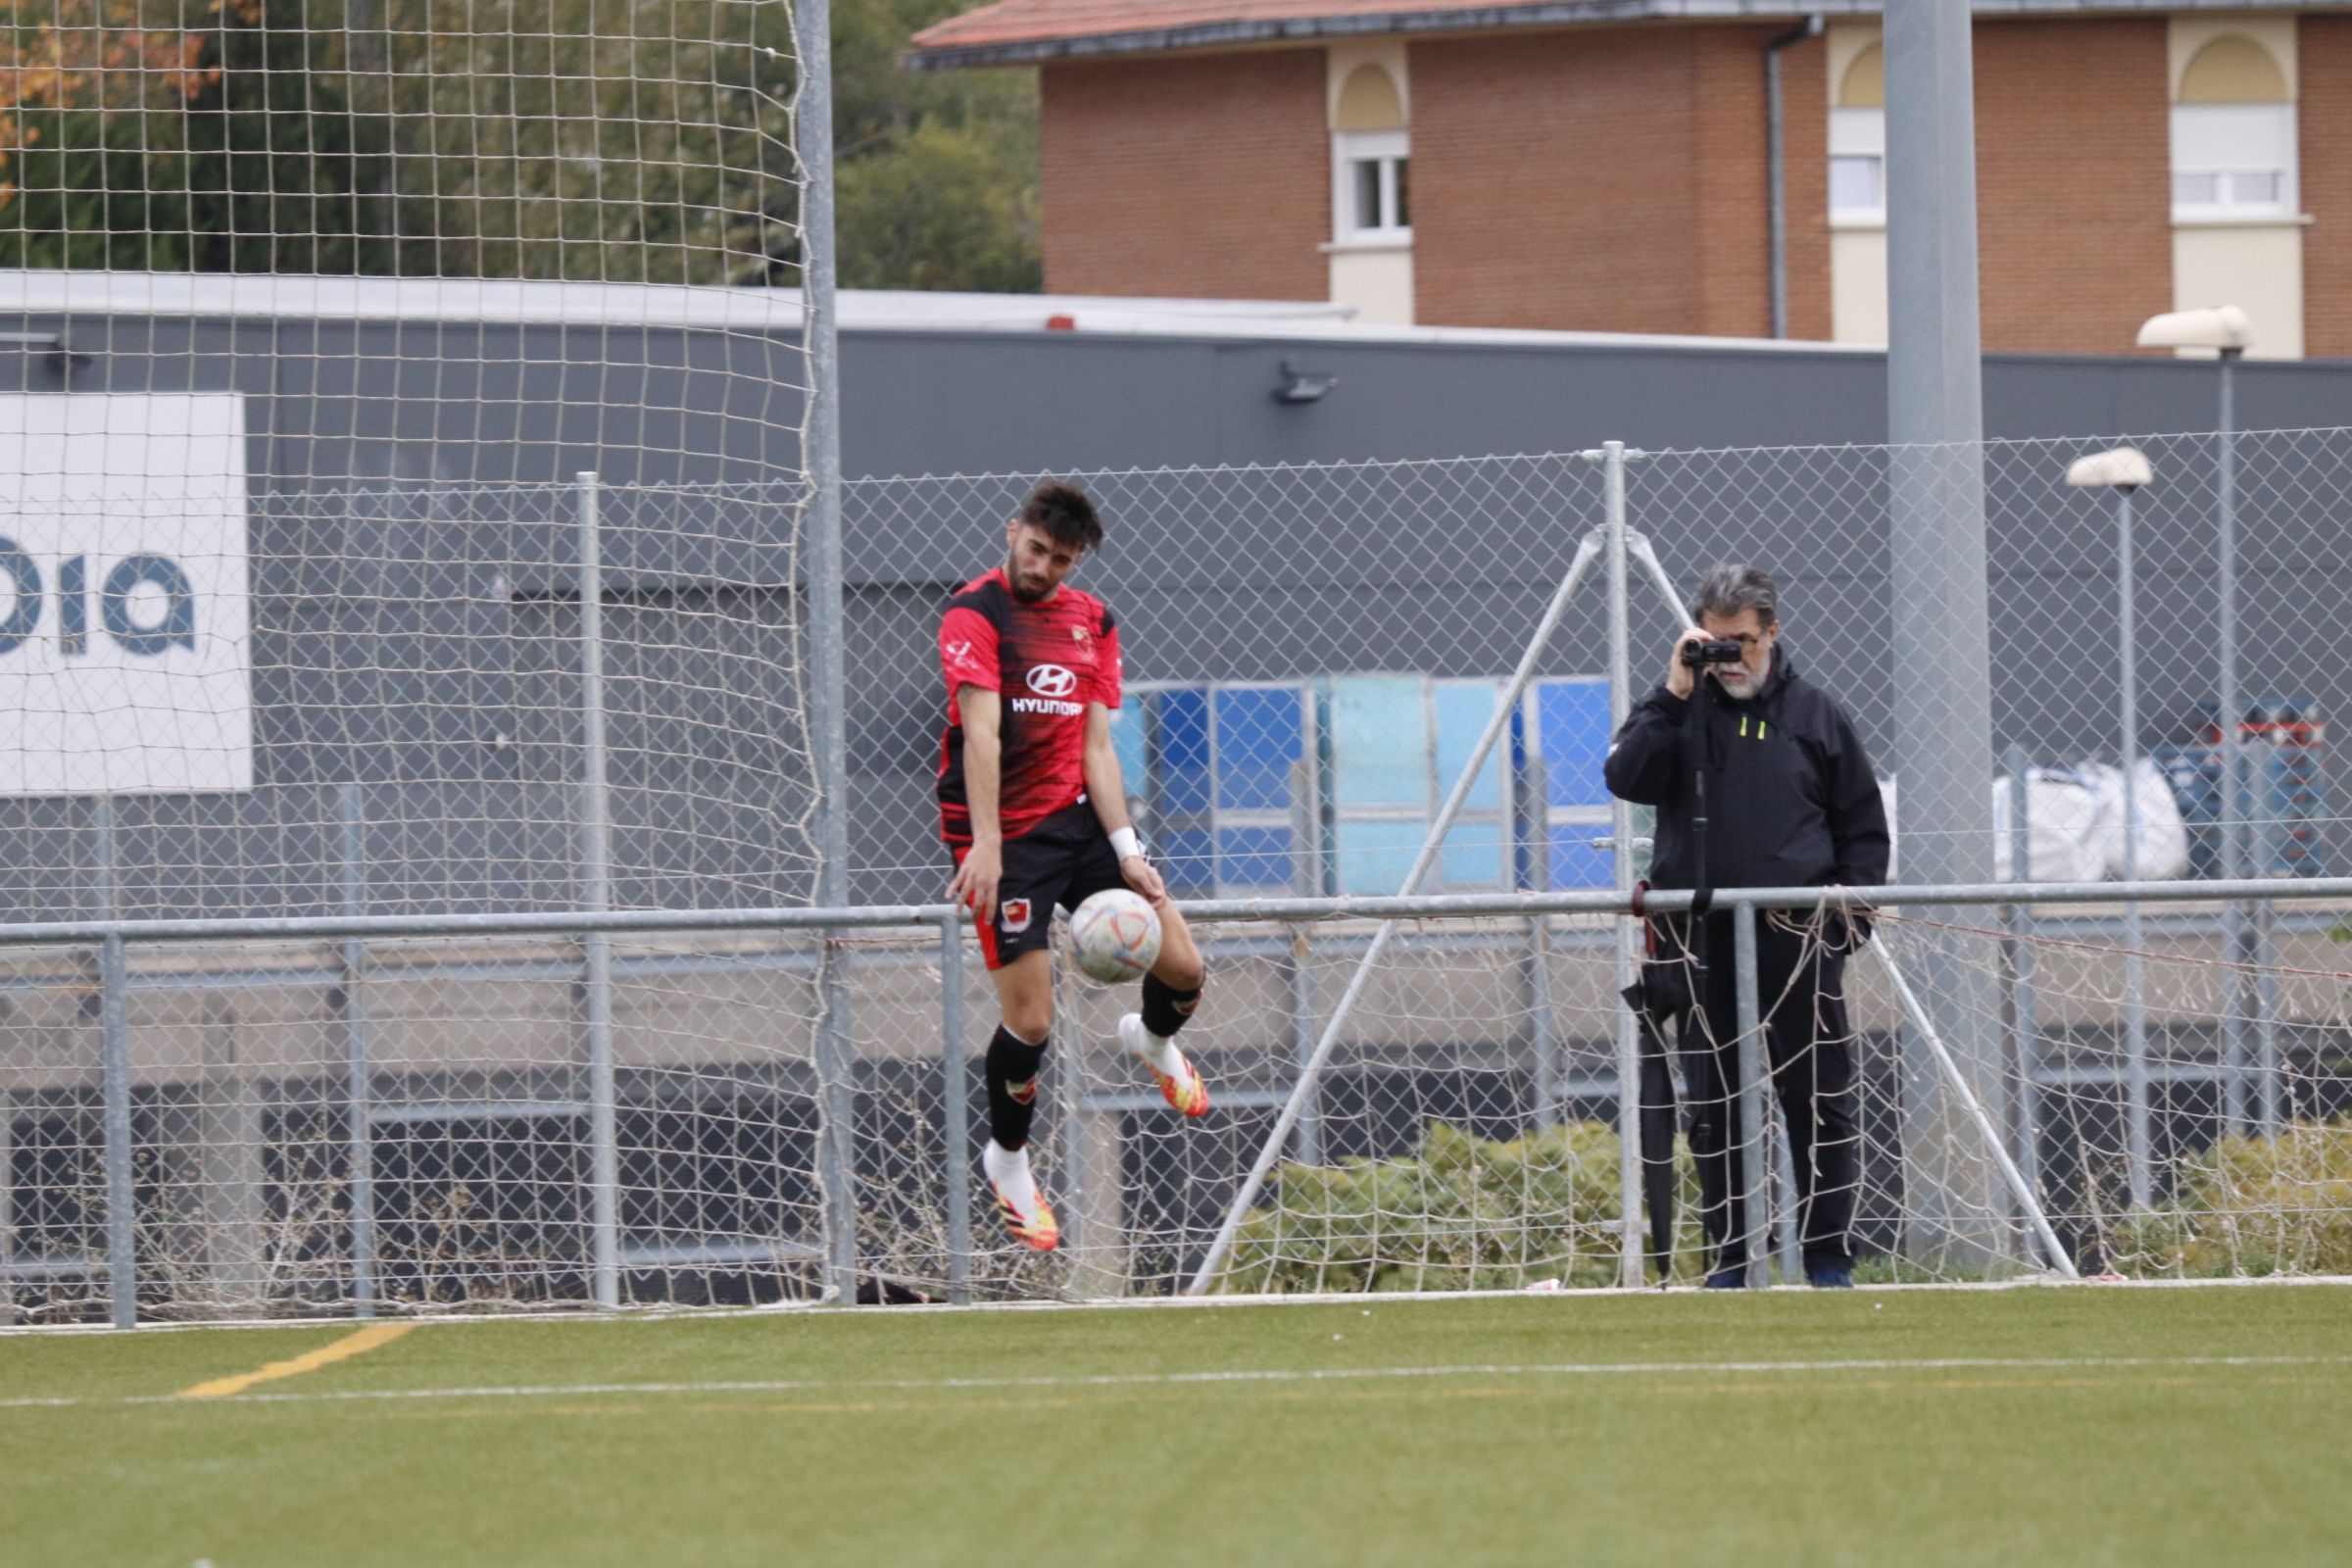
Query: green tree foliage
x,y
937,170
607,140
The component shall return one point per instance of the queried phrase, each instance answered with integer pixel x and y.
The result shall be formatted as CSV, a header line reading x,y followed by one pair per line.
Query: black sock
x,y
1165,1009
1013,1069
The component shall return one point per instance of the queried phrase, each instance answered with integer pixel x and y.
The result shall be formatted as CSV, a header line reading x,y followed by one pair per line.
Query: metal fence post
x,y
955,1116
2021,1000
1306,1139
1633,1246
2230,750
595,895
2137,1139
1534,830
836,1053
2269,1063
359,1152
1755,1191
114,1049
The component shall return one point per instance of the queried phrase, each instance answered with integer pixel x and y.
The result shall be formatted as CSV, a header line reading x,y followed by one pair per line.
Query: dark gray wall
x,y
418,638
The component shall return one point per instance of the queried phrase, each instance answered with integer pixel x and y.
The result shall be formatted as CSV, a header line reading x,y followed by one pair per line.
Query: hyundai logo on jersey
x,y
1051,680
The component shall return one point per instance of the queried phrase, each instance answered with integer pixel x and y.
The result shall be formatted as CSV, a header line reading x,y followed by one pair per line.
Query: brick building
x,y
1604,165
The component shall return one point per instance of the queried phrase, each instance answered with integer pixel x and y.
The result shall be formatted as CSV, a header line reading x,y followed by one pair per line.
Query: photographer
x,y
1792,801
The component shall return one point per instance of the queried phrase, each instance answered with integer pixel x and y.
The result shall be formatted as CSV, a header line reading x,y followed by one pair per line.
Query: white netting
x,y
319,314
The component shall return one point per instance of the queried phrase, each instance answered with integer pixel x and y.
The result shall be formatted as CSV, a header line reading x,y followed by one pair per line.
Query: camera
x,y
1721,651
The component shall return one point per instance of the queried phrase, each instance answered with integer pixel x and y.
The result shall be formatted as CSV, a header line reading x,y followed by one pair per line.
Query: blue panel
x,y
1478,848
1463,708
1379,741
1575,863
1180,774
1374,857
1185,861
1473,857
1127,741
1253,858
1260,735
1572,721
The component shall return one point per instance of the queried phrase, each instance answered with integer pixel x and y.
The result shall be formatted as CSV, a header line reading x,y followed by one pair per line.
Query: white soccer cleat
x,y
1179,1085
1027,1214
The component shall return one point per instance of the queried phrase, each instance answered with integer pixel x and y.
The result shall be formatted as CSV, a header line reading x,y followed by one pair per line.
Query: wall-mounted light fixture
x,y
1294,385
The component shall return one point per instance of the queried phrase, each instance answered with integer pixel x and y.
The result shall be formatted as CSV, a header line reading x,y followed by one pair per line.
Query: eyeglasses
x,y
1746,639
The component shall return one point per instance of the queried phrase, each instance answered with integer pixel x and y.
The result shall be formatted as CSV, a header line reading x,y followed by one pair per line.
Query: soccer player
x,y
1032,806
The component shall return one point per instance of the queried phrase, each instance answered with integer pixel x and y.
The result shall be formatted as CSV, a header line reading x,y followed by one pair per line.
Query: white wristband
x,y
1126,843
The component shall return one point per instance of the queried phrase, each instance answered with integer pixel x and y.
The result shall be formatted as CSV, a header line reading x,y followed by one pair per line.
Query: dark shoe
x,y
1728,1278
1831,1276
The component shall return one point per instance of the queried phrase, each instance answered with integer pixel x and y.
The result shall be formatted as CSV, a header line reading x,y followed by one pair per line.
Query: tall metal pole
x,y
836,1054
359,1144
2023,1008
1943,684
2235,947
955,1112
114,1056
1776,167
595,895
1754,1189
1634,1244
2135,1003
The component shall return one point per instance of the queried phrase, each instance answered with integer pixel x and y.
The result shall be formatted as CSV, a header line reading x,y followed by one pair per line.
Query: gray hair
x,y
1726,590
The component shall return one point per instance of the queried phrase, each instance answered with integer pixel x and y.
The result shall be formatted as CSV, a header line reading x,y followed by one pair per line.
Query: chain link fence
x,y
1312,653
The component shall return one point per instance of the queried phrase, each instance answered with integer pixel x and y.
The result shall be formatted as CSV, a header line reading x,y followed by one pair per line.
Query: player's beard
x,y
1023,589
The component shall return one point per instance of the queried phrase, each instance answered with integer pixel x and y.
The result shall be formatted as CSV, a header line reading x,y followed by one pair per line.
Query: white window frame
x,y
1858,133
1388,148
2226,141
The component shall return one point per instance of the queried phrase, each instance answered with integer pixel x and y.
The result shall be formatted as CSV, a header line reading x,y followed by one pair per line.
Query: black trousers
x,y
1811,1053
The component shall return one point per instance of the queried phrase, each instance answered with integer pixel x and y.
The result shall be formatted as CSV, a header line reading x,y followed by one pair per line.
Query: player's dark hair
x,y
1063,514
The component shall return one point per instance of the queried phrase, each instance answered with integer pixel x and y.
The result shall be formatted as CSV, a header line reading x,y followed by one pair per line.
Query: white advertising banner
x,y
124,626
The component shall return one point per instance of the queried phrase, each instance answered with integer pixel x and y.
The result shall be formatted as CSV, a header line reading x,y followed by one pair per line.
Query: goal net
x,y
402,483
1464,1134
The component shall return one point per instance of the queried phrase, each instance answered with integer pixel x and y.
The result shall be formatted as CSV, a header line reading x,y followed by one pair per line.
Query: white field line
x,y
1129,1379
585,1314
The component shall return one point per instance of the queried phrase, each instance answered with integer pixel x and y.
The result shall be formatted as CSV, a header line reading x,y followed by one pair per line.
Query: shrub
x,y
1460,1213
2252,1206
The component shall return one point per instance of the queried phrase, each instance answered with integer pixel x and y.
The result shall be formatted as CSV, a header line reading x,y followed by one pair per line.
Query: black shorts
x,y
1064,859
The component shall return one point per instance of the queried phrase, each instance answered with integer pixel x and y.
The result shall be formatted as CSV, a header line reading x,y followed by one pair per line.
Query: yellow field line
x,y
342,1349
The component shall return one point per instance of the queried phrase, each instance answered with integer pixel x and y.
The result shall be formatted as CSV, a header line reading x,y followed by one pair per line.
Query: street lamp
x,y
2123,469
2226,332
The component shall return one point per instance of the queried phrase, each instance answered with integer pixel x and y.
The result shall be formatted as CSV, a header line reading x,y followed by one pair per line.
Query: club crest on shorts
x,y
1013,915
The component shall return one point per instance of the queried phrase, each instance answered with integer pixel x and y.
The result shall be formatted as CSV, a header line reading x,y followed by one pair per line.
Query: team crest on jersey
x,y
1014,916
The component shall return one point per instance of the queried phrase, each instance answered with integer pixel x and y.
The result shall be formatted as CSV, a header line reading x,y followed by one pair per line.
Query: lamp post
x,y
2123,469
2226,332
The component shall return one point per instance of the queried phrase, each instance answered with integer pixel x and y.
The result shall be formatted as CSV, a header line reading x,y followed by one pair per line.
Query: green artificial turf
x,y
915,1437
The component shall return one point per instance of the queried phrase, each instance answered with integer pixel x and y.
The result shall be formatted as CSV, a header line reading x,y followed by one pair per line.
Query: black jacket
x,y
1791,800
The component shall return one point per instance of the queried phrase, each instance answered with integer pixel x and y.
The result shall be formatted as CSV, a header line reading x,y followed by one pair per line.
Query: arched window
x,y
1371,159
2234,135
1858,140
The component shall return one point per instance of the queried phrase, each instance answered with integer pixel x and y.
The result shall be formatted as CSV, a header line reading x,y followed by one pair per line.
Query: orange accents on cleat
x,y
1027,1214
1185,1091
1182,1088
1038,1229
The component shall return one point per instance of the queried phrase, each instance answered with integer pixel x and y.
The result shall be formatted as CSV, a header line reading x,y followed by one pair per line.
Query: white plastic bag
x,y
2062,814
2161,847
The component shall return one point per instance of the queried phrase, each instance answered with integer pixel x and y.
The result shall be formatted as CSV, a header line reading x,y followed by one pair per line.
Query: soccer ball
x,y
1114,936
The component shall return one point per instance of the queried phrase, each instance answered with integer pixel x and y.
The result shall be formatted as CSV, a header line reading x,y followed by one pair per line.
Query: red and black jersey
x,y
1048,660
